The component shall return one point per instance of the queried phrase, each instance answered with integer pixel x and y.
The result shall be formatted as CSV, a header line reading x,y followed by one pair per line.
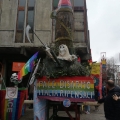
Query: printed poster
x,y
11,92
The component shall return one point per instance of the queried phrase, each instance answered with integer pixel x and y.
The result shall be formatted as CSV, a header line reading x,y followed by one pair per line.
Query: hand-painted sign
x,y
95,69
76,89
11,92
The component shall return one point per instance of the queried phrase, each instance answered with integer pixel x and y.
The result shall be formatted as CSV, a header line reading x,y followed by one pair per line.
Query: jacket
x,y
111,107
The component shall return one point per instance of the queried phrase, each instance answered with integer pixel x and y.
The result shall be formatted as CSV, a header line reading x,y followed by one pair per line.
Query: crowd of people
x,y
111,100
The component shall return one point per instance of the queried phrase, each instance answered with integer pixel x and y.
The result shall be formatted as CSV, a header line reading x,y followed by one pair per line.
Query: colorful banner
x,y
11,109
96,74
77,89
95,69
39,108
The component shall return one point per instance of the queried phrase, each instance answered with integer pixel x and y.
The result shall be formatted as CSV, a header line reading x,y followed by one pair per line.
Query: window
x,y
55,4
25,16
78,5
31,3
0,9
21,16
20,21
22,3
30,16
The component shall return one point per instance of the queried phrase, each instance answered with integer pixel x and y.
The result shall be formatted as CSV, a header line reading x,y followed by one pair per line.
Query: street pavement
x,y
99,115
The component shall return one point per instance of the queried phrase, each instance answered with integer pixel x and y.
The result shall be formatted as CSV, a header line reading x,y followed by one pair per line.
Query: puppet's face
x,y
14,76
63,50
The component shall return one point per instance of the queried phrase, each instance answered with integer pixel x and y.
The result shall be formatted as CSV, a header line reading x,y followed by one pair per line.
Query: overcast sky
x,y
104,26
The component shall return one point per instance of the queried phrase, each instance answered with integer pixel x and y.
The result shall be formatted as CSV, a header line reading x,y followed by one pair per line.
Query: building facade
x,y
15,15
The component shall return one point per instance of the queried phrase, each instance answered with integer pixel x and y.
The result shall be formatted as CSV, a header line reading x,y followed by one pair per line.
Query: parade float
x,y
61,81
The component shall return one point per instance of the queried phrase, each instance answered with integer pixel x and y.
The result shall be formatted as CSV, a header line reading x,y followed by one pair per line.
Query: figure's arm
x,y
116,98
101,100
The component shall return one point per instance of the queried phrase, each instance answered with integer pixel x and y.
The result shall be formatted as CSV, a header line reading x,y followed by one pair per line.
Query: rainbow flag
x,y
28,67
11,109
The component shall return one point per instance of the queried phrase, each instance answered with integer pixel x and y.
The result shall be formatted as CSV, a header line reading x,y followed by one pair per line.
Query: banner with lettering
x,y
11,109
76,89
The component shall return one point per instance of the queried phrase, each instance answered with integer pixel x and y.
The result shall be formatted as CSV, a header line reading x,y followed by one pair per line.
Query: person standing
x,y
111,106
87,109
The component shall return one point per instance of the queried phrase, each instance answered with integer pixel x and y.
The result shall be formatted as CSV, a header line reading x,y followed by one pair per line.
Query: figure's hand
x,y
115,97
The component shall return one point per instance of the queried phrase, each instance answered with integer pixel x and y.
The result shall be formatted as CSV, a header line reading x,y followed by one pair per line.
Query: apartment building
x,y
15,15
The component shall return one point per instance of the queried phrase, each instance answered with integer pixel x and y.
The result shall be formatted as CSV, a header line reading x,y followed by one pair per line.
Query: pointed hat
x,y
64,3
